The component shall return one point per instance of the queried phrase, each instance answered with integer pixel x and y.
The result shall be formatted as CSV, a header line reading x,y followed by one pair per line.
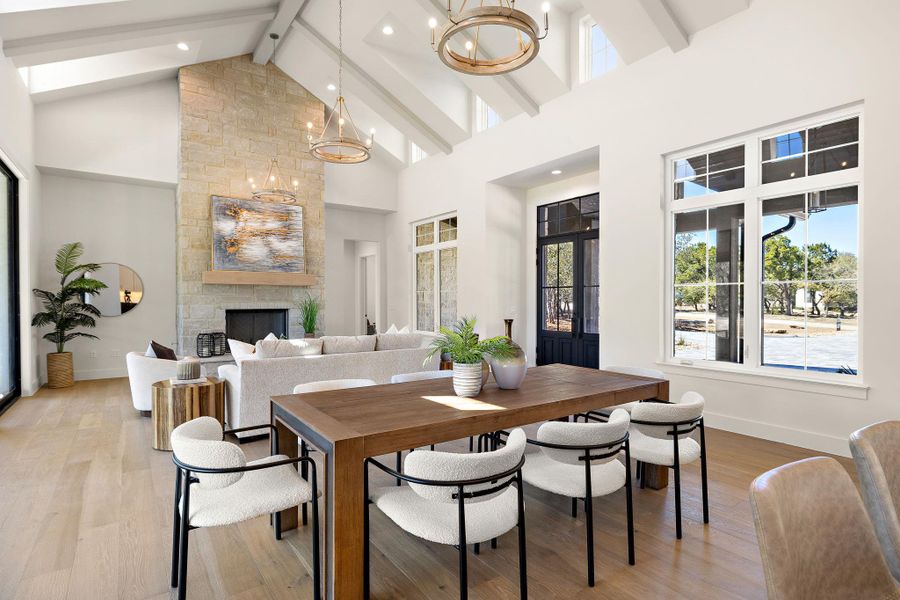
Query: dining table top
x,y
389,417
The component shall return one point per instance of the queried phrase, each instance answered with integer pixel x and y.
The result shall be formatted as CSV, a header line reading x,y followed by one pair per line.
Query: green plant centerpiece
x,y
468,352
310,307
65,310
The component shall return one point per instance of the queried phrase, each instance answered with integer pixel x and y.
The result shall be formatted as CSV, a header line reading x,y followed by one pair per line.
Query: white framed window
x,y
485,116
764,266
434,273
598,56
415,153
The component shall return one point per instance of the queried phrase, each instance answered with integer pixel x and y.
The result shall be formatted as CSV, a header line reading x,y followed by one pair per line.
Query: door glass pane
x,y
425,291
567,264
566,308
591,310
590,261
550,306
448,287
550,262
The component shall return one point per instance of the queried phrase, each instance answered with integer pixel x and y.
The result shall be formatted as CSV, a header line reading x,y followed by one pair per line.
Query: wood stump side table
x,y
177,404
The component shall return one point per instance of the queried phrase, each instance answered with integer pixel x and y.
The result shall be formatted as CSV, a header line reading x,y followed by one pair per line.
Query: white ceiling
x,y
395,84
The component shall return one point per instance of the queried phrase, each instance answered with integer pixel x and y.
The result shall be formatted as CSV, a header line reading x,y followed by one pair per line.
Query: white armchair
x,y
143,372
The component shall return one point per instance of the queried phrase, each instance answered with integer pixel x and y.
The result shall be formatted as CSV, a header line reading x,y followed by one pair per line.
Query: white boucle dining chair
x,y
660,434
456,499
580,461
215,485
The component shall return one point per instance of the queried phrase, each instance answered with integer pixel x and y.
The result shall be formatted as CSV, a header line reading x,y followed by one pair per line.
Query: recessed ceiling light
x,y
331,87
387,30
556,172
183,46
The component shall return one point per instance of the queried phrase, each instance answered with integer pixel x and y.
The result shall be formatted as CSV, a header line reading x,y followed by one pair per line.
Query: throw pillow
x,y
347,344
392,329
276,349
240,350
150,351
271,337
163,352
397,341
308,346
405,329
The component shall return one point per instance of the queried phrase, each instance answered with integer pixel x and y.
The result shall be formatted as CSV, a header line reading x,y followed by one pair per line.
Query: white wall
x,y
129,132
123,223
17,151
349,235
760,71
370,185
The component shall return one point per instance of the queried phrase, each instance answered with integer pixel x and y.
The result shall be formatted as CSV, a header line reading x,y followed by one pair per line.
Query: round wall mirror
x,y
124,291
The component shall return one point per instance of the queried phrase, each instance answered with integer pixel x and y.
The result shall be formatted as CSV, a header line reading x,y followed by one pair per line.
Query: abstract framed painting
x,y
254,236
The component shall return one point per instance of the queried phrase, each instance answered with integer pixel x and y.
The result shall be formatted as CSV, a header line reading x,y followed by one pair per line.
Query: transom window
x,y
801,312
415,153
598,55
485,116
434,272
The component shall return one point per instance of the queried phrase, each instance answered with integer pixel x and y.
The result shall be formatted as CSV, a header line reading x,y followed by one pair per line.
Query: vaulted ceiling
x,y
393,83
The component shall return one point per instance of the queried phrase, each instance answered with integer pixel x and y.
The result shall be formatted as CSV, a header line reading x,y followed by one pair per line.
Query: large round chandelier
x,y
457,44
348,147
274,188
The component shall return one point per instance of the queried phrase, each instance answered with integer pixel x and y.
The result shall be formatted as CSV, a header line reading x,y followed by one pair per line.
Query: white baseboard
x,y
777,433
85,374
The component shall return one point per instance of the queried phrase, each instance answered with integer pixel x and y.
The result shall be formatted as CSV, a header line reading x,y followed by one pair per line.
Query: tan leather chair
x,y
814,537
876,451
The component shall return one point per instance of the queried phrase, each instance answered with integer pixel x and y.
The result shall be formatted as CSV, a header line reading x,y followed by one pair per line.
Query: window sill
x,y
772,377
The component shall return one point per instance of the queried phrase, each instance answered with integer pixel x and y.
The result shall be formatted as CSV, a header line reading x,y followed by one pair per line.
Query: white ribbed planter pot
x,y
467,380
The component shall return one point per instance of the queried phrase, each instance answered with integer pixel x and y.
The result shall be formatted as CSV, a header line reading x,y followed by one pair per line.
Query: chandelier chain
x,y
340,48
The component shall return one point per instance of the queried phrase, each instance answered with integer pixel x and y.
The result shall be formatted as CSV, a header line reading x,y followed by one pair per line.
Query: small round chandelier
x,y
348,147
463,32
274,189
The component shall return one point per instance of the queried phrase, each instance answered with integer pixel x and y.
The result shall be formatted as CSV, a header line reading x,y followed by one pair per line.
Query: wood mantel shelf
x,y
256,278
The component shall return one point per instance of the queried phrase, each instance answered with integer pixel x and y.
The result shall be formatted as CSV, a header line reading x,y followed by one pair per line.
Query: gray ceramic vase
x,y
509,372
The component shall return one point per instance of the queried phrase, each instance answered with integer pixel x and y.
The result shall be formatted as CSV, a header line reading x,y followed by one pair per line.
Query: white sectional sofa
x,y
252,382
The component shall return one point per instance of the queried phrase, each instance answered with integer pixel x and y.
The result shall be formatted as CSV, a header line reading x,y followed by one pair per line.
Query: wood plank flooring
x,y
86,507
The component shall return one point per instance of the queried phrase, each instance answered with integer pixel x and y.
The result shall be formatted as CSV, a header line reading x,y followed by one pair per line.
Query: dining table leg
x,y
345,533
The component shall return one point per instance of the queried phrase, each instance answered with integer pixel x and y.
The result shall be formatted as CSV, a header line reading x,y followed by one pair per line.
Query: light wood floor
x,y
85,512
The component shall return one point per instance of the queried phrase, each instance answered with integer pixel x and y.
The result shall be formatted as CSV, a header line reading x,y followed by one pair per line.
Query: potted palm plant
x,y
309,314
467,352
65,310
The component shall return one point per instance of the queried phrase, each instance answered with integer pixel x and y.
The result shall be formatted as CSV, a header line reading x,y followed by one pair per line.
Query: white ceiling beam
x,y
287,11
69,45
666,23
378,93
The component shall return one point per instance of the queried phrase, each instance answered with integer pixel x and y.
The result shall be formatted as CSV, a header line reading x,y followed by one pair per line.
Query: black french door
x,y
9,288
568,284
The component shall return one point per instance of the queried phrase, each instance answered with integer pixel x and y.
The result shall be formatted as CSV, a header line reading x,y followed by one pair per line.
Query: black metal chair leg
x,y
471,444
629,509
589,516
276,517
643,468
183,542
574,507
677,472
432,447
176,528
493,543
366,549
523,566
703,481
399,465
463,567
304,472
317,568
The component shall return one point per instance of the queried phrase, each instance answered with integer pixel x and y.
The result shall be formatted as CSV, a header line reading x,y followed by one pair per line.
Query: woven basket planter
x,y
60,373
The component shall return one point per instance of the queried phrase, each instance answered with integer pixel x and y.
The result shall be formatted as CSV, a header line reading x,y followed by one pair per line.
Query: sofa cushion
x,y
397,341
163,352
308,346
276,349
347,344
240,350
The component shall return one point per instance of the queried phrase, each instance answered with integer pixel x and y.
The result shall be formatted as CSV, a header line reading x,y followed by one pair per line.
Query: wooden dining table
x,y
350,425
